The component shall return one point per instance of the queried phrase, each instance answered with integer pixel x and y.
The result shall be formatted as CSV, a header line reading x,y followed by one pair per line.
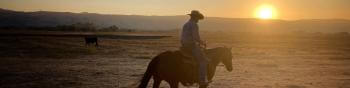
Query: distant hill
x,y
47,18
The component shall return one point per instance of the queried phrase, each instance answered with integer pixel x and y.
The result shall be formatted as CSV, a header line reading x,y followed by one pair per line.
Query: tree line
x,y
78,27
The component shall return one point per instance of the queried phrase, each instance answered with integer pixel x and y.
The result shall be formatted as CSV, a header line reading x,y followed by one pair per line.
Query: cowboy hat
x,y
196,13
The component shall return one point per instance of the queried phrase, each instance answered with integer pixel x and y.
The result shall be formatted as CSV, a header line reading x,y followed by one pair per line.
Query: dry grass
x,y
260,61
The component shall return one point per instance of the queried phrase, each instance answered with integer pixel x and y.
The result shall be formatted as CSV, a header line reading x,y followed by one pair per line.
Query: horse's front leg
x,y
174,84
157,82
203,86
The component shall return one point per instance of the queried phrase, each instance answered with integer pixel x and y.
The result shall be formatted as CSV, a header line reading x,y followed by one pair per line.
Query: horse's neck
x,y
214,62
214,57
212,70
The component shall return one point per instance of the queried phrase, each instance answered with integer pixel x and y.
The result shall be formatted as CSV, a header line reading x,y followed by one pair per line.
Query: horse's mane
x,y
216,49
212,52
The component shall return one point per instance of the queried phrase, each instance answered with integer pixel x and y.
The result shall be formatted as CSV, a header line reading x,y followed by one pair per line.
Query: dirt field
x,y
260,61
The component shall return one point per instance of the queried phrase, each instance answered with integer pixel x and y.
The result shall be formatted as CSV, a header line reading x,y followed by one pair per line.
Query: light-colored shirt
x,y
190,33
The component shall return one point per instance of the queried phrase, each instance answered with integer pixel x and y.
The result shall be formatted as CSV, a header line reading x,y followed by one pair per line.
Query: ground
x,y
259,60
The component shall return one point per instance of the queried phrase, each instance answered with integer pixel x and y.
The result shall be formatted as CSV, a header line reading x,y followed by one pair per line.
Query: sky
x,y
285,9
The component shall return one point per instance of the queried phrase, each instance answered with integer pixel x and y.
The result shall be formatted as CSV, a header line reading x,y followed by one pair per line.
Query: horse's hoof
x,y
203,86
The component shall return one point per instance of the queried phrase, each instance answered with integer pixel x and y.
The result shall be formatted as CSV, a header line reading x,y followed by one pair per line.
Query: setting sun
x,y
266,12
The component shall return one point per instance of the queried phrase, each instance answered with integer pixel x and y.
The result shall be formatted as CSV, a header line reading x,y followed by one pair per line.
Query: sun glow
x,y
266,12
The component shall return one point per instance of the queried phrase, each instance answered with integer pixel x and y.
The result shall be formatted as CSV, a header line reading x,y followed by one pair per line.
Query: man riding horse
x,y
191,43
174,67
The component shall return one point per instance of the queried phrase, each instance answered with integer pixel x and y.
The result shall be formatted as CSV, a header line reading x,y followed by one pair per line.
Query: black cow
x,y
91,40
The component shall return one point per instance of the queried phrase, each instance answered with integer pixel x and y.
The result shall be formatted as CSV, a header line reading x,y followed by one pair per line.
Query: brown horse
x,y
174,68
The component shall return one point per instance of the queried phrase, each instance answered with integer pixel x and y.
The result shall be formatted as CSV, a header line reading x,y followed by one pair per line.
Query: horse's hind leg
x,y
203,86
157,82
174,84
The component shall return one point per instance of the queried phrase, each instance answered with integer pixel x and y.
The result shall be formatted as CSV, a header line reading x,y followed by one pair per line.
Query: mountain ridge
x,y
140,22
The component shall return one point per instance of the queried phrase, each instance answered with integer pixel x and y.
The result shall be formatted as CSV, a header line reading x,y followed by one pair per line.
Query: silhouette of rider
x,y
190,40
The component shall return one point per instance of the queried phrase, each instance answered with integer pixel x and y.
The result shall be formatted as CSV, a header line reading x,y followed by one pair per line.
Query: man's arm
x,y
195,34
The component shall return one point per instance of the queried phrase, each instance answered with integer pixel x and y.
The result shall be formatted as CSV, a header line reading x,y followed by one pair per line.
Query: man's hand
x,y
203,44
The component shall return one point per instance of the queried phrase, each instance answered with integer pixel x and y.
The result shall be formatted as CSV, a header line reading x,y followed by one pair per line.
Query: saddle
x,y
186,52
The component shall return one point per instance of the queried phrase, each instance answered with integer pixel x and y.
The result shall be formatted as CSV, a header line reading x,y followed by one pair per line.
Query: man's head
x,y
195,14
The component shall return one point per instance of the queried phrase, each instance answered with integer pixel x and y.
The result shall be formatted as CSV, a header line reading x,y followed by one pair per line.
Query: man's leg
x,y
203,63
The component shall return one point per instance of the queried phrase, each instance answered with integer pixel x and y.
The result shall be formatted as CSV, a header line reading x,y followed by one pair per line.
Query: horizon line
x,y
178,15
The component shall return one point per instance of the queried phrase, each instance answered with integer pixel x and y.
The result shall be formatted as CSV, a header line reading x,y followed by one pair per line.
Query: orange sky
x,y
286,9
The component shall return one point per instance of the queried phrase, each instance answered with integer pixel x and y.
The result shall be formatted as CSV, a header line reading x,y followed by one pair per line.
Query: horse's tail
x,y
149,72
